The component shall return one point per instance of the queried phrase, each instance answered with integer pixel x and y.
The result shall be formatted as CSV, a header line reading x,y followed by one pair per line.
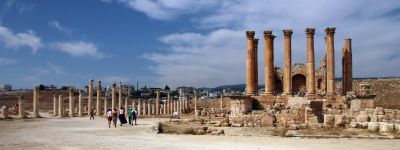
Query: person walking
x,y
130,110
122,118
114,117
109,117
134,116
92,112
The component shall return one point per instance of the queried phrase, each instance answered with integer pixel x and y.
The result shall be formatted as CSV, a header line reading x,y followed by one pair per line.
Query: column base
x,y
268,93
287,93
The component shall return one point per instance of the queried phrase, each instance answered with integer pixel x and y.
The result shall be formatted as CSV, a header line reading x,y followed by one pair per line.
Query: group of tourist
x,y
114,115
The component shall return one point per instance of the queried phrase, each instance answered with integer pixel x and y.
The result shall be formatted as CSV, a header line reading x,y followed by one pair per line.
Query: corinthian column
x,y
269,62
347,67
287,69
330,59
256,66
250,68
98,93
310,61
90,96
158,102
113,96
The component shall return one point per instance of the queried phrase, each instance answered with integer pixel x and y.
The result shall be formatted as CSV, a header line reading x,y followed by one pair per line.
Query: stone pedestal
x,y
330,60
250,67
269,62
287,69
113,96
347,67
310,62
4,109
55,106
98,98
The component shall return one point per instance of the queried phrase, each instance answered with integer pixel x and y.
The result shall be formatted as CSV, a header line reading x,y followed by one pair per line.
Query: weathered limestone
x,y
120,94
90,96
144,108
4,109
250,64
113,96
21,109
220,102
347,67
173,106
180,106
168,102
60,106
287,69
269,62
55,106
153,108
310,62
98,98
158,102
105,106
80,109
139,109
126,107
164,108
256,66
71,103
35,103
148,107
330,59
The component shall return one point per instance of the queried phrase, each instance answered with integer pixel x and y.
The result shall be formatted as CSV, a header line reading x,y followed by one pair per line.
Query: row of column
x,y
252,61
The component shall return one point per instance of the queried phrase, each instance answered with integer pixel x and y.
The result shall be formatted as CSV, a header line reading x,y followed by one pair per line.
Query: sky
x,y
199,43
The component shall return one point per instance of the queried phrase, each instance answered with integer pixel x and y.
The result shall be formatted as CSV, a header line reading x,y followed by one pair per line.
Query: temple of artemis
x,y
297,79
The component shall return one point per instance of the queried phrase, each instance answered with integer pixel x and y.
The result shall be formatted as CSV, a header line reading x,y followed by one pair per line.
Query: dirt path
x,y
82,133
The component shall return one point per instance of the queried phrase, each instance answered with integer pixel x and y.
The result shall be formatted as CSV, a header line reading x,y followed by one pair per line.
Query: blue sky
x,y
182,42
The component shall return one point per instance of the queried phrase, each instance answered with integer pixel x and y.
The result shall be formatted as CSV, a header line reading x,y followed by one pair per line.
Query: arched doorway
x,y
299,83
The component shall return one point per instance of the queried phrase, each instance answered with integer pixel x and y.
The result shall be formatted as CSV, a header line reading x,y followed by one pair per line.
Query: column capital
x,y
330,31
113,84
287,33
99,82
310,32
250,34
268,35
91,80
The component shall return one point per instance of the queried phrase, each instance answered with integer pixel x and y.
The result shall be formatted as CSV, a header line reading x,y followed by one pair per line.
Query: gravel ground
x,y
82,133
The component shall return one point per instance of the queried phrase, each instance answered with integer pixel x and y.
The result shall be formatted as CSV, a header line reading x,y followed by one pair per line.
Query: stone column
x,y
164,108
120,94
148,107
126,107
80,109
287,69
60,106
158,102
310,62
55,110
330,61
220,102
256,66
180,106
35,103
113,96
5,112
21,109
90,96
139,109
144,107
347,67
105,106
98,98
153,108
71,102
250,68
168,102
269,62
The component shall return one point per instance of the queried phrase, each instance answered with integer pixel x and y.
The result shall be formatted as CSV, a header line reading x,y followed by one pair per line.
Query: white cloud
x,y
106,1
79,49
16,40
59,27
5,61
167,9
218,55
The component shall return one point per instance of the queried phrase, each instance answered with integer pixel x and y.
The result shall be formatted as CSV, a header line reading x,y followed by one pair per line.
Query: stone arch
x,y
299,83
